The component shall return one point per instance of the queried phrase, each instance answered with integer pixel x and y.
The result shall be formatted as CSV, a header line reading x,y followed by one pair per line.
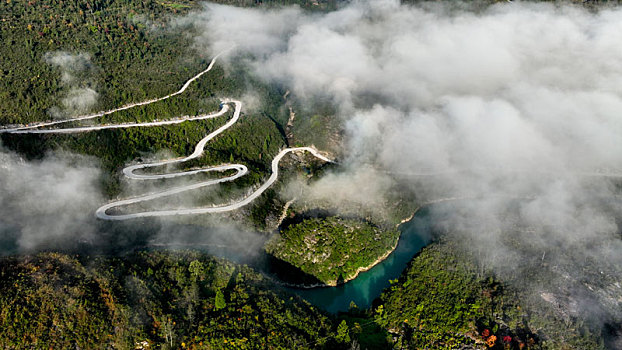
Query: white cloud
x,y
75,75
47,202
514,99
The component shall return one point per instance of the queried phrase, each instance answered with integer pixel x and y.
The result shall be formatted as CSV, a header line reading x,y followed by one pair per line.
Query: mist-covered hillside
x,y
317,127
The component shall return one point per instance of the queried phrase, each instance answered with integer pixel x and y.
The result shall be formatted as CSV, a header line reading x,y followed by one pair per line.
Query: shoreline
x,y
376,262
386,254
409,218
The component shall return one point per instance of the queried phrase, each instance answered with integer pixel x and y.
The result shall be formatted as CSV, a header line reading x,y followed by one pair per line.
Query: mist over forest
x,y
502,120
514,106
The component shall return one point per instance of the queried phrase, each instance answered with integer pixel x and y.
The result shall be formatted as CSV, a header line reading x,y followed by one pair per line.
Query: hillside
x,y
151,300
493,125
88,57
444,300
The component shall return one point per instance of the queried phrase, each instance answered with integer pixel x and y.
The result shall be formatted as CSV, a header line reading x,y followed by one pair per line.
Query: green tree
x,y
196,269
343,332
220,300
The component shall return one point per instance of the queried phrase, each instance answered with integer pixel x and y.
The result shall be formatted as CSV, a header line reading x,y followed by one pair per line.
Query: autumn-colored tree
x,y
491,341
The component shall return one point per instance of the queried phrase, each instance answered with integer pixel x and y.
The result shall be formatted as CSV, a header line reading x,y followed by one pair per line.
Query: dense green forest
x,y
152,299
125,51
444,300
120,49
332,249
189,300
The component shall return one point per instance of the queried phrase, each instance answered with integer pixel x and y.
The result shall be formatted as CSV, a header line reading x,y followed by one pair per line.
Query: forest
x,y
152,299
187,299
125,51
444,300
114,52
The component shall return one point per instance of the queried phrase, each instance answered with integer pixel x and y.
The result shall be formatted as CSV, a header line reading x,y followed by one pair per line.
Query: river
x,y
369,284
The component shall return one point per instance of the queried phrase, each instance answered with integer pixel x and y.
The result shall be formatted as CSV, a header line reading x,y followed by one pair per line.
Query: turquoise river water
x,y
369,284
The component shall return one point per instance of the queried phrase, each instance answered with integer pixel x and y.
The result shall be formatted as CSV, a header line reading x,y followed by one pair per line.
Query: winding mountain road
x,y
240,170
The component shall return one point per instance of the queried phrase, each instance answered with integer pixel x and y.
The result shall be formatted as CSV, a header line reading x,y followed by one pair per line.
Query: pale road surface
x,y
240,169
179,120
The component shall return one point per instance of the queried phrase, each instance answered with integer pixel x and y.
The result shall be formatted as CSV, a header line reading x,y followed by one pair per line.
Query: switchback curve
x,y
240,169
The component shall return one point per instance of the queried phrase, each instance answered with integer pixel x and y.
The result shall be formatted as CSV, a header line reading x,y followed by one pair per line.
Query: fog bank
x,y
518,100
47,203
76,77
